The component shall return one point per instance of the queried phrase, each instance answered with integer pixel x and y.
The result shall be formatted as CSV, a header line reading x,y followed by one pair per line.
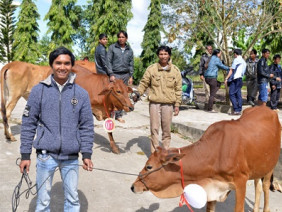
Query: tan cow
x,y
228,154
91,66
17,79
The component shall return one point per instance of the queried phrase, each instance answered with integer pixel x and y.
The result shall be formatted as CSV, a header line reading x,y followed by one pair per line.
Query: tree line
x,y
186,25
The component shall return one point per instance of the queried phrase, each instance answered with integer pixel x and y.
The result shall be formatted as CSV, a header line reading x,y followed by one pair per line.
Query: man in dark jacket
x,y
58,122
203,67
121,63
275,85
251,77
101,59
263,76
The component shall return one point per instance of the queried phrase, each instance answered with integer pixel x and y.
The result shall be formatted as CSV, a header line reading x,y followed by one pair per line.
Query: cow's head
x,y
161,174
117,95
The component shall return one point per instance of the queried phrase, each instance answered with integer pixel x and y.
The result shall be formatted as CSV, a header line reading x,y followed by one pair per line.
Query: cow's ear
x,y
106,89
172,158
129,89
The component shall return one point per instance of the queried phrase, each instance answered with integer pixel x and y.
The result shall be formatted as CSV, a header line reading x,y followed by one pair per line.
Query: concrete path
x,y
107,188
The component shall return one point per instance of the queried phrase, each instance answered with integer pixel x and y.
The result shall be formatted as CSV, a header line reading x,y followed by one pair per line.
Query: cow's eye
x,y
118,92
149,167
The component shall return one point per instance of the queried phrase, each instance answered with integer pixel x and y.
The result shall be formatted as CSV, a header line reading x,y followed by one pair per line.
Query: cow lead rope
x,y
182,198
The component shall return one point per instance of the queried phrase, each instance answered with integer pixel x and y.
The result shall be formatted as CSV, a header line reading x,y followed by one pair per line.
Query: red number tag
x,y
109,125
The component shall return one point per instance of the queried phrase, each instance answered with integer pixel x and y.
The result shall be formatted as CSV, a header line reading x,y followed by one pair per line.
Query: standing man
x,y
58,122
251,77
204,62
121,63
235,81
275,82
264,76
101,59
164,81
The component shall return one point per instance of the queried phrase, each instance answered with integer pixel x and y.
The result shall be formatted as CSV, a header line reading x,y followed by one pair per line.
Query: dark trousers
x,y
274,98
124,77
235,94
252,89
214,86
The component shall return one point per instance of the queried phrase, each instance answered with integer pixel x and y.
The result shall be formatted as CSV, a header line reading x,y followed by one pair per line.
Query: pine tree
x,y
26,33
61,21
152,35
7,28
108,16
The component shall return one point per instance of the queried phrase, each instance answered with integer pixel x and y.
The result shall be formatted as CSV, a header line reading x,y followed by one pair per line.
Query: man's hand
x,y
130,81
135,96
273,87
87,164
271,75
278,79
176,110
202,77
112,78
25,164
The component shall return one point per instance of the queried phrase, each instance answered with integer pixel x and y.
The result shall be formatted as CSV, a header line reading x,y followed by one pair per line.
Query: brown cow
x,y
228,154
91,66
17,79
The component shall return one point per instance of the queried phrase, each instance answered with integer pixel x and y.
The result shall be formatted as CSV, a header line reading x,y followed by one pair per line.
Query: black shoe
x,y
251,103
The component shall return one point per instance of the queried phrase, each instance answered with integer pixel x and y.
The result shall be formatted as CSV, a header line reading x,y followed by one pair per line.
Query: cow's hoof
x,y
115,150
11,138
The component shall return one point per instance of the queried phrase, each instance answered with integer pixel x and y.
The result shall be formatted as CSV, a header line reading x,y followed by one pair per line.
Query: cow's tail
x,y
3,90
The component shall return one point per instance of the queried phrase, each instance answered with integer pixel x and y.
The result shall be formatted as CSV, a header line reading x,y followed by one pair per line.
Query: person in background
x,y
204,62
165,88
211,76
101,59
86,59
121,63
275,82
58,123
251,77
235,82
263,76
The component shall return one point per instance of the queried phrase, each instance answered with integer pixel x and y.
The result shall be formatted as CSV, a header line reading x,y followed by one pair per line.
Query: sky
x,y
134,28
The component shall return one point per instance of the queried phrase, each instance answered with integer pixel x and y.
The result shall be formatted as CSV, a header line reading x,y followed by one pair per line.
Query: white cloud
x,y
135,26
17,3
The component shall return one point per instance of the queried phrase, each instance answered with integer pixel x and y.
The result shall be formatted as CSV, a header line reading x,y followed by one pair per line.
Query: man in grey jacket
x,y
101,59
58,122
121,63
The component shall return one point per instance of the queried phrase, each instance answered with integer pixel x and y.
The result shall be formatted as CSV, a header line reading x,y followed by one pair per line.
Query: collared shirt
x,y
239,65
59,85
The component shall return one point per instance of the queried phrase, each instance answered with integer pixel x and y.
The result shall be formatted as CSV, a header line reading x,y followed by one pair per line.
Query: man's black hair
x,y
265,51
276,56
103,35
238,51
57,52
164,48
122,32
254,51
216,51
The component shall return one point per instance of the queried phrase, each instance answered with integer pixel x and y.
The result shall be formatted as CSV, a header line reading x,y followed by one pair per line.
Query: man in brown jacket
x,y
164,81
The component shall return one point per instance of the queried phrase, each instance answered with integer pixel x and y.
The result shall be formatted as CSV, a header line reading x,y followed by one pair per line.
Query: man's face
x,y
104,41
266,55
252,55
277,60
209,49
61,68
163,57
122,39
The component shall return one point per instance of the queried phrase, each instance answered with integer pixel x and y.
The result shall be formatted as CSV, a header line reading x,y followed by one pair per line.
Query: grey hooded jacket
x,y
59,122
120,62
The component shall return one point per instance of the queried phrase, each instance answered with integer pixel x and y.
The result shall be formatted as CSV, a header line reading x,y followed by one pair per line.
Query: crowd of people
x,y
260,78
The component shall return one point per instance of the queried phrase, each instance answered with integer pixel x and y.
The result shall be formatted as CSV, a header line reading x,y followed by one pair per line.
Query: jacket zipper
x,y
60,121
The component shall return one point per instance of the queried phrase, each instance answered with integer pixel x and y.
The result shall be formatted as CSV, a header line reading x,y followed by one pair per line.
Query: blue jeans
x,y
235,94
45,168
263,92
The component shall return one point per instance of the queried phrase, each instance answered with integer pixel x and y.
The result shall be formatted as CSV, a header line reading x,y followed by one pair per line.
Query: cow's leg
x,y
265,187
6,111
211,206
240,194
258,190
113,145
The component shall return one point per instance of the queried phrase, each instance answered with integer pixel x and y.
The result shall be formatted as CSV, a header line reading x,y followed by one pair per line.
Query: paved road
x,y
106,190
